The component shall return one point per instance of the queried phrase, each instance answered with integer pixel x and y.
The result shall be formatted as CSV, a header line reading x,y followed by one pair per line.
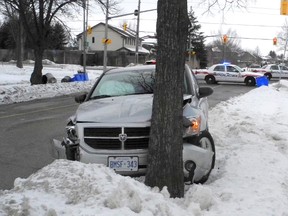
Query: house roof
x,y
129,33
140,50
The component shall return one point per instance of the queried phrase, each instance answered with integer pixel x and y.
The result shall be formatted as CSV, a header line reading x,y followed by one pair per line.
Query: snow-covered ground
x,y
15,82
250,177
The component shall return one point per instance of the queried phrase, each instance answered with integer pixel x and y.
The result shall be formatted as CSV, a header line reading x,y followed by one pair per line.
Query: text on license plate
x,y
123,163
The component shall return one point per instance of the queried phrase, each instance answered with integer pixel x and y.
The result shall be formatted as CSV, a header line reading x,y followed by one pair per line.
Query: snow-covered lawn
x,y
250,177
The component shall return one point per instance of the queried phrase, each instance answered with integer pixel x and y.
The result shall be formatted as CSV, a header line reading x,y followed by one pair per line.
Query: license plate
x,y
123,163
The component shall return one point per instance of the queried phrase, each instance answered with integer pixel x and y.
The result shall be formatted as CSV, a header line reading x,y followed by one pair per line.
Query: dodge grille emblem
x,y
122,137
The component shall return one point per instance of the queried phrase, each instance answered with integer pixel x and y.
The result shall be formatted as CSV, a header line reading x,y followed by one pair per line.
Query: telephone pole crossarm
x,y
111,17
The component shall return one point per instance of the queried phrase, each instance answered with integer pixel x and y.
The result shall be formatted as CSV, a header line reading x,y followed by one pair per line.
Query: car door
x,y
284,71
275,70
232,74
219,73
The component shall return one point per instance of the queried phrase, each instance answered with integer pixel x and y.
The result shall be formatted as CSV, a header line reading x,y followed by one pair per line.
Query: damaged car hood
x,y
131,108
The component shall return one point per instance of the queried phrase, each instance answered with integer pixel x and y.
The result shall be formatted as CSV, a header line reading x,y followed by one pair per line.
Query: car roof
x,y
224,64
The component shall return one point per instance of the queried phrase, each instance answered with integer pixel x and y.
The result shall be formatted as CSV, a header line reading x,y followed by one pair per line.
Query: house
x,y
245,59
119,39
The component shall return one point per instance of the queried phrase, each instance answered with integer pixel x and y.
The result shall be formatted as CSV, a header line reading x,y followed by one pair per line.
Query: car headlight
x,y
192,126
71,132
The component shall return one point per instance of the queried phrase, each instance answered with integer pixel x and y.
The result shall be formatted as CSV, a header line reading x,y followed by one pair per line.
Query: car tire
x,y
210,79
71,152
206,141
268,75
250,81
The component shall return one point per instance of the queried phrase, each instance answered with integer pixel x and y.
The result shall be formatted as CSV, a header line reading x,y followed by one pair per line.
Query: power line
x,y
244,38
239,24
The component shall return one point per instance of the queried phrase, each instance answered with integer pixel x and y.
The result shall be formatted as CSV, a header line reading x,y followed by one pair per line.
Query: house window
x,y
93,39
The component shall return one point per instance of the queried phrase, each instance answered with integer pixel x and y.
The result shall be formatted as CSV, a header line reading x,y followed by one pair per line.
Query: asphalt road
x,y
27,128
25,132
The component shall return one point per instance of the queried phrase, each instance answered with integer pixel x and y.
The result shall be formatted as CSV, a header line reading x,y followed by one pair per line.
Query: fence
x,y
114,58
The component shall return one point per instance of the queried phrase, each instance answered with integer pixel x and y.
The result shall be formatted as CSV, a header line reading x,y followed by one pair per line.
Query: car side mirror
x,y
205,91
80,98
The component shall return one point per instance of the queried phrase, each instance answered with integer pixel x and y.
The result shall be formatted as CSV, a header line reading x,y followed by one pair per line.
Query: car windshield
x,y
125,83
237,68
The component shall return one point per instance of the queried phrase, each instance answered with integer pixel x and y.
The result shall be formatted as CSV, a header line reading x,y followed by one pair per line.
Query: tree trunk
x,y
165,158
20,46
36,76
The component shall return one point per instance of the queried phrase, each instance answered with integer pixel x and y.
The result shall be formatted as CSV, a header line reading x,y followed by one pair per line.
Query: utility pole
x,y
106,31
284,53
137,35
85,24
106,36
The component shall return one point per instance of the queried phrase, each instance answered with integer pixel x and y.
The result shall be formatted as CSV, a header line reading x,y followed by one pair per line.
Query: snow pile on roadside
x,y
251,139
73,188
15,94
15,83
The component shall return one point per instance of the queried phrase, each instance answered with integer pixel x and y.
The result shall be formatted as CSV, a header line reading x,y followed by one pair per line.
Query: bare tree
x,y
230,48
282,39
42,13
16,29
165,163
223,5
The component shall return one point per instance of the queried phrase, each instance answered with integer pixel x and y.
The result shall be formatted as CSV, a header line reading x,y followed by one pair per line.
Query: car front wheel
x,y
206,141
250,81
210,79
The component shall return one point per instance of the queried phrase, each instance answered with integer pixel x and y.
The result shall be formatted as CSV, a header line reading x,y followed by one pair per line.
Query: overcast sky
x,y
256,25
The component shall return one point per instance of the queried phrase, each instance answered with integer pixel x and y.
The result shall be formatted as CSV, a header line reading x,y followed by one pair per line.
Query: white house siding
x,y
99,33
118,40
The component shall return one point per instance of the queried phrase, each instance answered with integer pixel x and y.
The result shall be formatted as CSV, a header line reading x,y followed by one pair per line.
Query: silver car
x,y
112,124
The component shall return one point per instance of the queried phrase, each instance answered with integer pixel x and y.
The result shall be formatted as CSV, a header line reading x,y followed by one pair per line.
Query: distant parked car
x,y
227,73
152,61
273,71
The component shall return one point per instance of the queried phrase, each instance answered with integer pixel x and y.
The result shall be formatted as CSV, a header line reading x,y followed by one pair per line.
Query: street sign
x,y
106,41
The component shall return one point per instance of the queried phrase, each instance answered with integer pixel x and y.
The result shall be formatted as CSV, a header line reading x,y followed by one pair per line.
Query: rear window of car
x,y
219,68
274,67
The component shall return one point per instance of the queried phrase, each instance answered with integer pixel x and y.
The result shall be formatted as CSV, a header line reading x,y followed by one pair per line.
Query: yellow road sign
x,y
106,41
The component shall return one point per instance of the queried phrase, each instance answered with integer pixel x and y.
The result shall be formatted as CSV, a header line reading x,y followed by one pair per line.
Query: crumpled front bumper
x,y
201,157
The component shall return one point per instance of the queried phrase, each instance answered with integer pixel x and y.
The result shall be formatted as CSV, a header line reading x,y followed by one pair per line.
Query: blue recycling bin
x,y
262,81
80,77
